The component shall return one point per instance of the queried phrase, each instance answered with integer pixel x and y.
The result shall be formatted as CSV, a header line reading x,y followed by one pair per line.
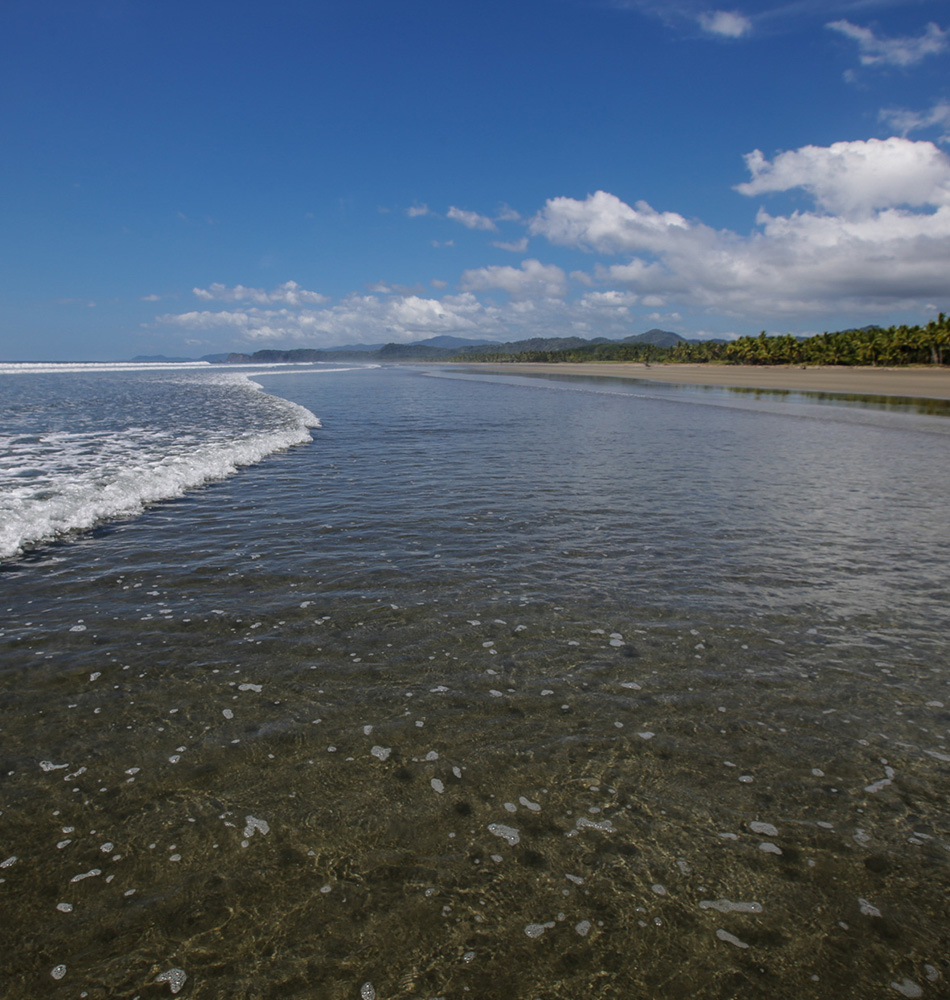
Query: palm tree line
x,y
896,345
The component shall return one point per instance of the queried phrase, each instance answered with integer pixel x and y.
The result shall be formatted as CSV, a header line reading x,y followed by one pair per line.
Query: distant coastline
x,y
869,346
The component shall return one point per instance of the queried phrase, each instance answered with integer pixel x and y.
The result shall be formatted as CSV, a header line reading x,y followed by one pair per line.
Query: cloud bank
x,y
881,235
289,293
875,237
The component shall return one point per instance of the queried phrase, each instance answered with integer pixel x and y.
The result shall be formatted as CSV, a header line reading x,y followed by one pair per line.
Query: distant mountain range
x,y
432,349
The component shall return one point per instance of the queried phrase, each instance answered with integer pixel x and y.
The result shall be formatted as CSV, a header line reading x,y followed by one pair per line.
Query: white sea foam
x,y
175,978
509,833
728,906
116,445
724,935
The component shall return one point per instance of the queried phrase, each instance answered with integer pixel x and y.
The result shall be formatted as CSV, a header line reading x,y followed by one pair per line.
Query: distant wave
x,y
31,367
45,367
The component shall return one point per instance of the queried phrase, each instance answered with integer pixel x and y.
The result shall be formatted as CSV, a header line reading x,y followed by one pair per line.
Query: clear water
x,y
501,687
82,443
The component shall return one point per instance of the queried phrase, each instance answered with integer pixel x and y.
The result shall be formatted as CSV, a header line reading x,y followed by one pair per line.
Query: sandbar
x,y
910,382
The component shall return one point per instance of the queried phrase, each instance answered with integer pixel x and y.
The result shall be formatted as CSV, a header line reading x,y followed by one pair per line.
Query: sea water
x,y
83,443
477,686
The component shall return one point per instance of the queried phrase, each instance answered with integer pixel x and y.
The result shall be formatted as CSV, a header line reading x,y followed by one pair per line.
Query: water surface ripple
x,y
499,688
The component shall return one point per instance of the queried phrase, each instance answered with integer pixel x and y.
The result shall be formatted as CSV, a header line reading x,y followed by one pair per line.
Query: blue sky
x,y
186,178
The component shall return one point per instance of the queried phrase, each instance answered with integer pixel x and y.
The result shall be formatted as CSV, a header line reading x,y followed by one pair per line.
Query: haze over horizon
x,y
204,178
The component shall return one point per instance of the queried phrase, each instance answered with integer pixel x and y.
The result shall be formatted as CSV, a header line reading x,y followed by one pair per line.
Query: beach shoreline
x,y
918,382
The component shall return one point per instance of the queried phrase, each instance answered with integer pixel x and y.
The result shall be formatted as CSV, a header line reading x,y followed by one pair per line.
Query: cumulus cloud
x,y
726,23
803,264
918,121
532,279
414,211
530,311
855,178
518,246
613,301
605,224
351,320
864,245
901,51
471,220
289,293
873,236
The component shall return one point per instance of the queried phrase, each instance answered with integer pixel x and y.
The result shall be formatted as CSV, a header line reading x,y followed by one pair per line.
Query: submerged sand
x,y
923,383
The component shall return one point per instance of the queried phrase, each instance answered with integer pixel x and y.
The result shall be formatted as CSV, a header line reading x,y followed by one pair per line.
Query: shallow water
x,y
502,687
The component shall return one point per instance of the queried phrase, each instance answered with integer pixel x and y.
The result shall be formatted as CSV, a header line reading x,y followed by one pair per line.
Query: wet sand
x,y
923,383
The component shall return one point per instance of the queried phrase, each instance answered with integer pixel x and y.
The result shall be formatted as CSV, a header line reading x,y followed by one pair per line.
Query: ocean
x,y
422,682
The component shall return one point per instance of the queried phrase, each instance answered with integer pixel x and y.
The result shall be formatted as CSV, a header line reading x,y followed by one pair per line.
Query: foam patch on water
x,y
174,977
58,481
727,906
588,824
254,825
508,833
536,930
730,939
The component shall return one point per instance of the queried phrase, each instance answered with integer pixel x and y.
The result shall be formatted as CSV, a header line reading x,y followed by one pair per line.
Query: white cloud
x,y
151,298
413,314
354,319
917,121
805,264
866,248
507,214
533,279
206,319
903,51
856,178
727,23
517,247
615,302
873,237
605,224
414,211
471,220
529,312
289,293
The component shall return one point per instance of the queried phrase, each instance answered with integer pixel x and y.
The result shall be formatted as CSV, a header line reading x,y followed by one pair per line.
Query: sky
x,y
193,178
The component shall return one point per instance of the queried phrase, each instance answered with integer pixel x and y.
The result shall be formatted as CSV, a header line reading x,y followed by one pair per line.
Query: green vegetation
x,y
871,345
610,351
897,345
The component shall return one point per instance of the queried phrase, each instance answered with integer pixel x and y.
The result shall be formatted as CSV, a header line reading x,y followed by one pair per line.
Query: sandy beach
x,y
922,383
